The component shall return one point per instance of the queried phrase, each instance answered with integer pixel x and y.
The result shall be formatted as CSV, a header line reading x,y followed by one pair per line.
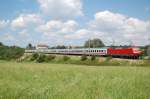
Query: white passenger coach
x,y
79,51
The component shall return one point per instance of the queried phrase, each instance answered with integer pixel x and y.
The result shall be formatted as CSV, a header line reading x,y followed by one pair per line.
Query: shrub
x,y
148,52
34,56
50,58
10,52
66,58
83,57
93,58
41,58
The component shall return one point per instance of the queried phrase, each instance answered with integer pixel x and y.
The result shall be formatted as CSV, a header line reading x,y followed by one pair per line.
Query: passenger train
x,y
132,52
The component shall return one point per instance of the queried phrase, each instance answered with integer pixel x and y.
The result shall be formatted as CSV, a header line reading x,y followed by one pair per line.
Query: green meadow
x,y
65,81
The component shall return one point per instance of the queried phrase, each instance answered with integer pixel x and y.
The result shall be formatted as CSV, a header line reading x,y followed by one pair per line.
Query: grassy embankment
x,y
97,61
61,81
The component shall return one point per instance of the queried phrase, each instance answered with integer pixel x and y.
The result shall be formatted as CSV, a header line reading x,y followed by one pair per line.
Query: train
x,y
130,52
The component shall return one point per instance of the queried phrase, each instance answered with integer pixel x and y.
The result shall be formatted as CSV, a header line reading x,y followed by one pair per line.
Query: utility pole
x,y
148,49
89,46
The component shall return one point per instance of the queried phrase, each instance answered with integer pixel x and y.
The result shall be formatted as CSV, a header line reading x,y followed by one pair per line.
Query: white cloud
x,y
4,23
69,26
79,34
106,25
121,28
55,31
135,25
25,20
24,33
58,9
57,27
106,20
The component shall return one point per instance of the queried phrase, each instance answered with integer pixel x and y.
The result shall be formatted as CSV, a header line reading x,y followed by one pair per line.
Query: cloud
x,y
4,23
25,20
24,33
121,27
106,25
55,31
79,34
57,27
106,20
58,9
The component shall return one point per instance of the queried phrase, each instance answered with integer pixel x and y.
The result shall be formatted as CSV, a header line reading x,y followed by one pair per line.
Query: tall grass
x,y
62,81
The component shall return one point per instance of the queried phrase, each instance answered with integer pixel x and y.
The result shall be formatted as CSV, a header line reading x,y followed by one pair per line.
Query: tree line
x,y
10,52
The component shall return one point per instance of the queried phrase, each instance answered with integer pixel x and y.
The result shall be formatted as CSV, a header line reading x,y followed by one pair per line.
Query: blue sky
x,y
134,8
72,22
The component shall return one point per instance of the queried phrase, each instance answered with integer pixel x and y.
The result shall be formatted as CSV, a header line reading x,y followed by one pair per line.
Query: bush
x,y
108,58
41,58
93,58
34,56
10,52
66,58
83,57
50,58
148,52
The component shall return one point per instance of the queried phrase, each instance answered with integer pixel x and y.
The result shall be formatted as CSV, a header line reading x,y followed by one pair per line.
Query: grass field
x,y
61,81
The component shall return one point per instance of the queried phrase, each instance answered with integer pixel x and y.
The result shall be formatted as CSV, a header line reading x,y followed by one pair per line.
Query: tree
x,y
29,46
41,58
59,47
93,57
34,56
1,44
83,57
10,52
148,51
95,43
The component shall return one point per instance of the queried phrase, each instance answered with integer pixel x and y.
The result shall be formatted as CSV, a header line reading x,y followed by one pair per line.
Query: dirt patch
x,y
101,59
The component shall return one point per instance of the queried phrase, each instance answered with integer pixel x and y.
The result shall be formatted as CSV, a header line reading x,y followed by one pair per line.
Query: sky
x,y
72,22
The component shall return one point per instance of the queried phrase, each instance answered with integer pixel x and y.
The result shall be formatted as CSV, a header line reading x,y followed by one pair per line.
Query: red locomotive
x,y
131,52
